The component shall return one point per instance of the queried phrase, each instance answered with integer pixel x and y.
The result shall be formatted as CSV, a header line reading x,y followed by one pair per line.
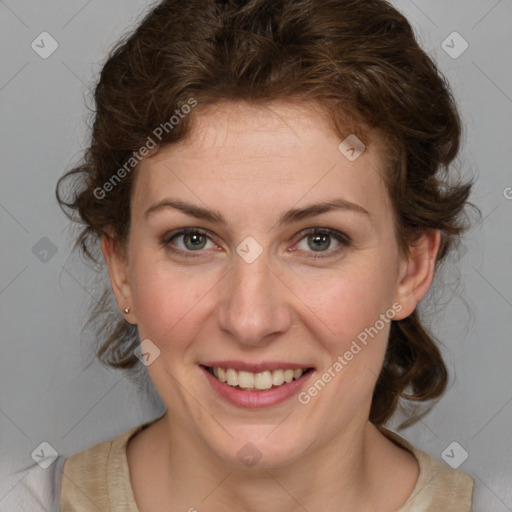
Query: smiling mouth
x,y
261,381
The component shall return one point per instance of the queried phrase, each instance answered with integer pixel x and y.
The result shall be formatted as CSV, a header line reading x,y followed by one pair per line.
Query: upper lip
x,y
255,367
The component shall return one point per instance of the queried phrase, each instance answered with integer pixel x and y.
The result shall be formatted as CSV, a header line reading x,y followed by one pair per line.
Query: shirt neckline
x,y
118,468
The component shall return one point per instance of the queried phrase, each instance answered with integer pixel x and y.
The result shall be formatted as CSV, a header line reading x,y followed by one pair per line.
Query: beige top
x,y
98,478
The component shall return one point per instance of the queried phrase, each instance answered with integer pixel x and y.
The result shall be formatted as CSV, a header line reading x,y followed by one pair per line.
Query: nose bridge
x,y
253,303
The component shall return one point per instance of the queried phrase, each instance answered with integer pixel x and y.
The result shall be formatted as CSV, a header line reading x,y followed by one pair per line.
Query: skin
x,y
251,164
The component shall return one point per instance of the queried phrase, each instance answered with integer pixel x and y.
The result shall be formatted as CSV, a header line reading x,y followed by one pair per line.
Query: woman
x,y
267,181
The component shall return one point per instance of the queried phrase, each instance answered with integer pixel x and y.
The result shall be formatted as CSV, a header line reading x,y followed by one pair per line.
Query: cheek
x,y
348,300
355,306
168,302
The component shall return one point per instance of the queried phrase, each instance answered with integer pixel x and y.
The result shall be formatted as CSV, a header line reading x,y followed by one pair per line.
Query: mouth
x,y
257,381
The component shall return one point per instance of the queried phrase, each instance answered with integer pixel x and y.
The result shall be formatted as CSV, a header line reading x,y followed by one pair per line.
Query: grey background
x,y
46,391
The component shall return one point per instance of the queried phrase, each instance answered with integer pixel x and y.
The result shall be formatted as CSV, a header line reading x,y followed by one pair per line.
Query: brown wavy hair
x,y
358,60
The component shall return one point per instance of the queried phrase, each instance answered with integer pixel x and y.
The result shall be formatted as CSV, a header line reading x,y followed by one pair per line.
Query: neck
x,y
322,476
357,469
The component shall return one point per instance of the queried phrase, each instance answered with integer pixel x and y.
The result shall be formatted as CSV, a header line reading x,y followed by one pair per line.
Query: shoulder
x,y
85,477
442,487
439,487
92,476
98,478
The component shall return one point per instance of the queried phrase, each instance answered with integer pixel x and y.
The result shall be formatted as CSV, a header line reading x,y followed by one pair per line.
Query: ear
x,y
117,264
417,272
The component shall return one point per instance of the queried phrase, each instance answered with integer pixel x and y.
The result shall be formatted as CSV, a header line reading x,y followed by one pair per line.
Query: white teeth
x,y
256,381
246,380
277,377
263,380
288,375
232,377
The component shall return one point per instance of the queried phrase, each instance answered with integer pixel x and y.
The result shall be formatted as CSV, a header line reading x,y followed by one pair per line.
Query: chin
x,y
259,447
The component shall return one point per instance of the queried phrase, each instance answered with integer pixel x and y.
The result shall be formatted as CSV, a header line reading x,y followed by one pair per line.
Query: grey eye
x,y
194,241
319,241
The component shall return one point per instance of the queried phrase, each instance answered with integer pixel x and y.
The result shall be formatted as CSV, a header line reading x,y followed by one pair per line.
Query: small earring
x,y
126,311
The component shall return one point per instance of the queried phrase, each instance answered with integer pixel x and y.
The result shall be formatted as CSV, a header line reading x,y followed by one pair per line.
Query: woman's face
x,y
264,281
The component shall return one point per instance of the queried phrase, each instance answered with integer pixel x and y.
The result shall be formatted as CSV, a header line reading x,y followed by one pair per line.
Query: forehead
x,y
256,154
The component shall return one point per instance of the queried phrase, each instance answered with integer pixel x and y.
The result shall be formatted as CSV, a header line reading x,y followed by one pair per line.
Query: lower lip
x,y
257,399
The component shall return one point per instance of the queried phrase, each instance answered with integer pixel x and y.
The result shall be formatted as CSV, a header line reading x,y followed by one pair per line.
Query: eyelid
x,y
339,235
183,231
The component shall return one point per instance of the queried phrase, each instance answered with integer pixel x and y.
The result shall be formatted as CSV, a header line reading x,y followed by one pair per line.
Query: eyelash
x,y
343,239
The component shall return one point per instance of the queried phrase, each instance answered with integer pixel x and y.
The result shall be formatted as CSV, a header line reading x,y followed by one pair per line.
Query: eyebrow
x,y
293,215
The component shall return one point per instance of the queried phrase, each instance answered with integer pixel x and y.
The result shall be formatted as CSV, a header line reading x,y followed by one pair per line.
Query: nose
x,y
253,302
